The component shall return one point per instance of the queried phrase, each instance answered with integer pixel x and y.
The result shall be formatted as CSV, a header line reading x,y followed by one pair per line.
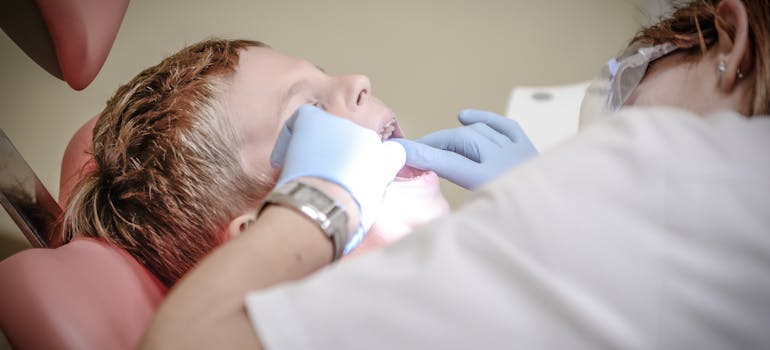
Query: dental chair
x,y
549,114
85,293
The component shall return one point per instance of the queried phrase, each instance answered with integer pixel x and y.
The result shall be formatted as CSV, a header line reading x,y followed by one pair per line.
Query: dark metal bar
x,y
26,199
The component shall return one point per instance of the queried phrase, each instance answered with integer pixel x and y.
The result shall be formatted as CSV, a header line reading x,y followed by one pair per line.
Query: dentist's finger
x,y
282,143
490,134
393,159
449,165
463,141
503,125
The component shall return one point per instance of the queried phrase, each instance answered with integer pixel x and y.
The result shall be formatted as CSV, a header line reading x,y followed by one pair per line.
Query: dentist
x,y
647,230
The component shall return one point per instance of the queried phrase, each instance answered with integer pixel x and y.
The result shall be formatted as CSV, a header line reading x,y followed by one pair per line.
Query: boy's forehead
x,y
264,59
269,64
261,73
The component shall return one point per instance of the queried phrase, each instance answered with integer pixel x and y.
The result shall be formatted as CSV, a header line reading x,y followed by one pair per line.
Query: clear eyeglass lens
x,y
618,79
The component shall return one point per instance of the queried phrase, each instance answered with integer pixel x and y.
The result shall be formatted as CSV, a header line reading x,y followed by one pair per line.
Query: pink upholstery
x,y
83,295
86,294
68,38
76,160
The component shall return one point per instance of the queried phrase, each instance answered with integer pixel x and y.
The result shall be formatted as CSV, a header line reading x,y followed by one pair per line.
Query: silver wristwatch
x,y
317,206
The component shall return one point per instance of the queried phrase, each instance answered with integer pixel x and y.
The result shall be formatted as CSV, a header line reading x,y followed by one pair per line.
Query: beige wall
x,y
427,59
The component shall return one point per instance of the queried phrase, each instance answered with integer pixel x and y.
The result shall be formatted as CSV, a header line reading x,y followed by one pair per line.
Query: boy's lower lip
x,y
408,173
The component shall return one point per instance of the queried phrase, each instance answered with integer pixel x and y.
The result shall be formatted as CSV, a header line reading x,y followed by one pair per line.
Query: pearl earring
x,y
722,68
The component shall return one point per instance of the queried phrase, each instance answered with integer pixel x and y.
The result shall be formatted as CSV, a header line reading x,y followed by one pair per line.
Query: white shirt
x,y
648,231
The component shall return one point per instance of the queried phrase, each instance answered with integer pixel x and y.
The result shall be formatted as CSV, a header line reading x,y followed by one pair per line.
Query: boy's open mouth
x,y
391,130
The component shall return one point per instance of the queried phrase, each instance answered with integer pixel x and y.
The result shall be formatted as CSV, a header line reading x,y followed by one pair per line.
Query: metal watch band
x,y
317,206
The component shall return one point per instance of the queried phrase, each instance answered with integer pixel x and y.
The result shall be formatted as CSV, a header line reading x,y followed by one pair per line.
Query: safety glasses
x,y
619,77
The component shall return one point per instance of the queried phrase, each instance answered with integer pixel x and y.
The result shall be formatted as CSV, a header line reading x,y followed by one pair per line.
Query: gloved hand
x,y
314,143
487,145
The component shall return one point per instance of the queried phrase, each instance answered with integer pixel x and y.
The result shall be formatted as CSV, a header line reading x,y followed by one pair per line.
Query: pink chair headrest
x,y
86,294
77,160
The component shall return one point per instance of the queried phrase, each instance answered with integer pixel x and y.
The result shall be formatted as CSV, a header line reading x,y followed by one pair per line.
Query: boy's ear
x,y
734,47
240,224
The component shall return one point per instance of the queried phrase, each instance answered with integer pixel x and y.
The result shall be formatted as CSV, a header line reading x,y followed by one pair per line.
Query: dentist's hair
x,y
694,22
167,177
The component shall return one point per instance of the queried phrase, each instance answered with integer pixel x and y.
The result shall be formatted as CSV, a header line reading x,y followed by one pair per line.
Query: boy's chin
x,y
408,204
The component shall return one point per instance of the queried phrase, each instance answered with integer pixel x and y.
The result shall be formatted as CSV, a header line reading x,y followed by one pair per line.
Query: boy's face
x,y
269,86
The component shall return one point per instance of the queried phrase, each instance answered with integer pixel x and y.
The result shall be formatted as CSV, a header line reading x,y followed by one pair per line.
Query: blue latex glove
x,y
487,145
314,143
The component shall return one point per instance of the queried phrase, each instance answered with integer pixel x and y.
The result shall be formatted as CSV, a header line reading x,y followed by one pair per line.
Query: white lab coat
x,y
648,231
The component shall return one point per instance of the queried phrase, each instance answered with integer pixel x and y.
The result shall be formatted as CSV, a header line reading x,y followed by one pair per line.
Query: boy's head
x,y
165,161
181,152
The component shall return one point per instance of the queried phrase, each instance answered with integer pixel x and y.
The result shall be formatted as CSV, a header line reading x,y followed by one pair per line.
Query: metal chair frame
x,y
26,199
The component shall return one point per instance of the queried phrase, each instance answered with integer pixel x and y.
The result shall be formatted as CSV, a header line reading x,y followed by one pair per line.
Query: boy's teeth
x,y
386,134
387,130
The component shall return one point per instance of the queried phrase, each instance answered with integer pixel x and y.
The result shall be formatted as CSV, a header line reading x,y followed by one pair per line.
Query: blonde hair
x,y
168,177
693,26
